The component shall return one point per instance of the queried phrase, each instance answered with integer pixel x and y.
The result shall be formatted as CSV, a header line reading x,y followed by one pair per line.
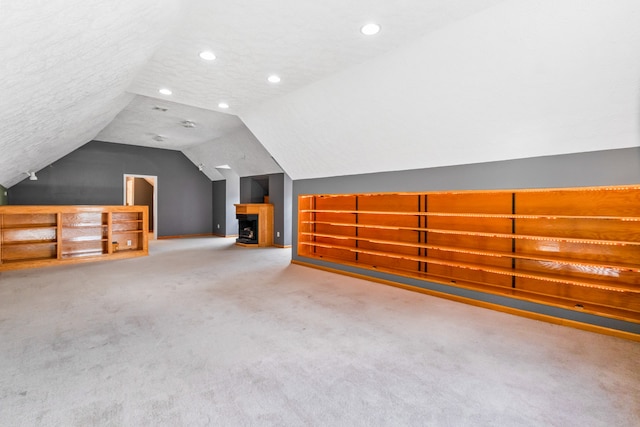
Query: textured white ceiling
x,y
145,118
300,40
72,71
64,69
521,79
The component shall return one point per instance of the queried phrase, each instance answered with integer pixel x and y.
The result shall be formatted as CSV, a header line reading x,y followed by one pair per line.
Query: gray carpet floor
x,y
206,333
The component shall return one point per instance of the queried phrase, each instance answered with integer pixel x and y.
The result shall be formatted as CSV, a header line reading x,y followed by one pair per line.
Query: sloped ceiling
x,y
65,66
521,79
444,82
70,67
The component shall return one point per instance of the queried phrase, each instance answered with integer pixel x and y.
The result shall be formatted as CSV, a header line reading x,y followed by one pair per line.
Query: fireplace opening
x,y
247,229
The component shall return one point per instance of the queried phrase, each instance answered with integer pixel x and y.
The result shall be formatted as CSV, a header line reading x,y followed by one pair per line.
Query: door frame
x,y
153,178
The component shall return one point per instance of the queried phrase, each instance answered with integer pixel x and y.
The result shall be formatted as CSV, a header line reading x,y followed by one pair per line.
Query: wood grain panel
x,y
389,202
599,253
379,261
17,235
32,251
582,296
15,220
470,242
609,276
602,202
470,202
613,230
457,274
80,219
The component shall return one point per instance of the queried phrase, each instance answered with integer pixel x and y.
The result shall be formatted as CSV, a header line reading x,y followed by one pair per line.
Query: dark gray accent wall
x,y
610,167
220,208
279,188
93,175
3,195
245,190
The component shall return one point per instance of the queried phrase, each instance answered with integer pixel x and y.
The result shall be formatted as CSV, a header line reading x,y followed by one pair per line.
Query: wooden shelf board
x,y
28,226
84,239
17,261
497,254
482,234
475,215
30,242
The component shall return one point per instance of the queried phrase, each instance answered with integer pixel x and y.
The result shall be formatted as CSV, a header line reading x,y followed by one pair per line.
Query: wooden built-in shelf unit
x,y
574,248
35,236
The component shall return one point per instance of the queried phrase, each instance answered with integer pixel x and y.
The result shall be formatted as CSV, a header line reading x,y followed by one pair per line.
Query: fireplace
x,y
255,224
247,228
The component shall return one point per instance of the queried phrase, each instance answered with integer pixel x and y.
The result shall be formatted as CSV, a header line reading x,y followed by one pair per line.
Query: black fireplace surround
x,y
247,229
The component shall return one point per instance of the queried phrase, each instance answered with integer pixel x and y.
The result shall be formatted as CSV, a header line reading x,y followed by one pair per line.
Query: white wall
x,y
518,80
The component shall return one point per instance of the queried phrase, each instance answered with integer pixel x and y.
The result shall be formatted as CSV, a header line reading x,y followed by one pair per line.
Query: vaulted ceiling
x,y
444,82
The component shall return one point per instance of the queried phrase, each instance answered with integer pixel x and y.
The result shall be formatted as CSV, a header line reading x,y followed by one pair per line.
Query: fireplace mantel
x,y
265,221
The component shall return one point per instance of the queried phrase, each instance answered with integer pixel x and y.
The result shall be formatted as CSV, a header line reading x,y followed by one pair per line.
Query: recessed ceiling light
x,y
273,79
165,91
223,167
370,29
223,105
207,55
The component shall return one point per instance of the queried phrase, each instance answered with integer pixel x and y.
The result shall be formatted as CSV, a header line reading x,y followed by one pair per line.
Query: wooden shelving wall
x,y
576,248
35,236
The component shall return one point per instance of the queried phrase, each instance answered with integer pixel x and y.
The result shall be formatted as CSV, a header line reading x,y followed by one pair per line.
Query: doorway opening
x,y
143,190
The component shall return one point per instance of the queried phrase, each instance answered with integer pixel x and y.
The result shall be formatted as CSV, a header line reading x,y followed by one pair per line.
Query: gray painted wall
x,y
232,197
279,189
220,208
3,196
611,167
93,175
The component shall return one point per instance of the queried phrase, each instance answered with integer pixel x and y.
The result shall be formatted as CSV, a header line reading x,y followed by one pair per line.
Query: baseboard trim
x,y
509,310
187,236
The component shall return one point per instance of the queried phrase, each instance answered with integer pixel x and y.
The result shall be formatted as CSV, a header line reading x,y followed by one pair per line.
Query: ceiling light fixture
x,y
207,55
370,29
273,79
32,176
223,167
165,91
200,167
223,105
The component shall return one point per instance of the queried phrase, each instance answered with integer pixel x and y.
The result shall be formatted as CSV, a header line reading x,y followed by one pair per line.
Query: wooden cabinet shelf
x,y
34,236
572,248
